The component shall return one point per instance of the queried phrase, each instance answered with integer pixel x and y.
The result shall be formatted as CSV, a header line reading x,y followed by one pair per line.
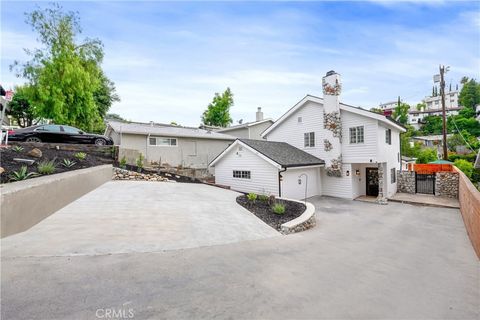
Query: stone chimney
x,y
259,114
332,88
332,123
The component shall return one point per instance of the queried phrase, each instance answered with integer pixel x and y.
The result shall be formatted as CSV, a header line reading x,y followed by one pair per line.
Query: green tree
x,y
465,166
432,125
427,155
20,108
65,74
400,113
408,147
469,96
114,116
105,95
421,106
218,111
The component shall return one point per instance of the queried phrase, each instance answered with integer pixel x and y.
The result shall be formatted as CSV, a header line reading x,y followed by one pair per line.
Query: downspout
x,y
280,181
400,152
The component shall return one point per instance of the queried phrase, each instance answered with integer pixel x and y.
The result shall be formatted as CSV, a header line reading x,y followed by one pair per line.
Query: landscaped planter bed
x,y
263,210
166,175
9,153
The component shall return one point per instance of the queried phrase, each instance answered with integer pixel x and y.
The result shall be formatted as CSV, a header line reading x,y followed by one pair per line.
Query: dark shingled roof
x,y
282,153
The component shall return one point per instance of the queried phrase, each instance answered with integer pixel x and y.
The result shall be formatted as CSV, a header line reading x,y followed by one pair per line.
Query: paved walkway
x,y
426,200
138,216
361,261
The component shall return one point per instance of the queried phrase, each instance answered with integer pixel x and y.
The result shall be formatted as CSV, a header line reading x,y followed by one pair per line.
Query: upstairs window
x,y
241,174
162,142
309,139
356,135
388,136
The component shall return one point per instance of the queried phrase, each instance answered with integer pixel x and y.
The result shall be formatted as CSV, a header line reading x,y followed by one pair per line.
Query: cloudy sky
x,y
168,59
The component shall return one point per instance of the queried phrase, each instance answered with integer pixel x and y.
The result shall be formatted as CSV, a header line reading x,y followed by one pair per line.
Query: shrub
x,y
21,174
252,197
46,167
278,208
80,156
123,163
427,155
17,148
263,197
469,157
139,162
465,166
67,163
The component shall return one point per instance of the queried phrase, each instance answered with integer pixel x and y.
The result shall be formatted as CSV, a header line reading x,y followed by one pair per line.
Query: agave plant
x,y
46,167
17,148
21,174
80,156
67,163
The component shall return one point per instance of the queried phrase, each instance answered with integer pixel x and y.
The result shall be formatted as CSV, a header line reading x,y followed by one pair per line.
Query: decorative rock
x,y
446,184
327,145
406,181
35,152
332,122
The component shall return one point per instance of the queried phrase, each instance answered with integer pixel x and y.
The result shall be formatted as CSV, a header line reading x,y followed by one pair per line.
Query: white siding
x,y
290,187
359,152
256,130
389,154
264,176
337,186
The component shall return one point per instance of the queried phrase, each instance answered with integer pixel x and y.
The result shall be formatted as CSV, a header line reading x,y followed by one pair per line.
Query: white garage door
x,y
295,181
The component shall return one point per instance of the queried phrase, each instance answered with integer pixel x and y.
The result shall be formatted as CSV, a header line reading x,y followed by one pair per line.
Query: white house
x,y
360,150
167,144
249,130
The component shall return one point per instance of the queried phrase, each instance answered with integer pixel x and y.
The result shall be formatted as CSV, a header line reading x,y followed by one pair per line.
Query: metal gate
x,y
425,183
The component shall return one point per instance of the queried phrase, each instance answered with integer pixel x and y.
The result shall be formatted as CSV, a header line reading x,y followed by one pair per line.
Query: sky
x,y
168,59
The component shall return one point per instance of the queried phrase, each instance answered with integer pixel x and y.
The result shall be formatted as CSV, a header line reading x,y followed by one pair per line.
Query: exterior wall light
x,y
348,173
357,172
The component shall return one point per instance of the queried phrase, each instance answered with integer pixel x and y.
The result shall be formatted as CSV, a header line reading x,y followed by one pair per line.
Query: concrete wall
x,y
469,198
26,203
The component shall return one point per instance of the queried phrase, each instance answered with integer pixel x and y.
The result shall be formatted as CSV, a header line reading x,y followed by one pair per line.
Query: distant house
x,y
352,152
249,130
415,117
167,144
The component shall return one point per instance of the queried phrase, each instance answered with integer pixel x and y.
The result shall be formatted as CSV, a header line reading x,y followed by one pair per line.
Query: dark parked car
x,y
57,134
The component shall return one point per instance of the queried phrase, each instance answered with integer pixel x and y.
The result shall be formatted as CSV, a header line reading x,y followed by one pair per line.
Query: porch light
x,y
348,173
357,172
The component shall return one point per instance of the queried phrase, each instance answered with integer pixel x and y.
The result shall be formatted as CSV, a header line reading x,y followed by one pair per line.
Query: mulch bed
x,y
263,211
7,155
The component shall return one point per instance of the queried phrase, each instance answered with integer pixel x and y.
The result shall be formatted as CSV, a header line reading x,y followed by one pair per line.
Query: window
x,y
299,119
356,135
162,142
393,177
388,136
309,139
241,174
49,128
72,130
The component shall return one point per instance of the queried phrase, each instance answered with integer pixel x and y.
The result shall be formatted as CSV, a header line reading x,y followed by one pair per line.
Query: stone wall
x,y
446,184
122,174
406,181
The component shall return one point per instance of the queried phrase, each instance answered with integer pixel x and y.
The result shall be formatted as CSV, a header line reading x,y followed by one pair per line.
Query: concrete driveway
x,y
361,261
137,216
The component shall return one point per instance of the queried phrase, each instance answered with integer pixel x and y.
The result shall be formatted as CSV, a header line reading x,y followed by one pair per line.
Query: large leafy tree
x,y
432,125
69,85
469,96
20,108
218,111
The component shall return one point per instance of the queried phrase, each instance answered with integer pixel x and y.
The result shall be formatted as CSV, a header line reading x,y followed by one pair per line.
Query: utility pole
x,y
444,116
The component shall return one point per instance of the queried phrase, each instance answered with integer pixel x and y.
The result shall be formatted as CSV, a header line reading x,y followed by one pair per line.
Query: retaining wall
x,y
111,151
469,198
26,203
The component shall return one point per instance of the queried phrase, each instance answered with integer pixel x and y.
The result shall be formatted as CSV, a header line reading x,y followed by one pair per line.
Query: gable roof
x,y
343,106
282,154
165,130
244,125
